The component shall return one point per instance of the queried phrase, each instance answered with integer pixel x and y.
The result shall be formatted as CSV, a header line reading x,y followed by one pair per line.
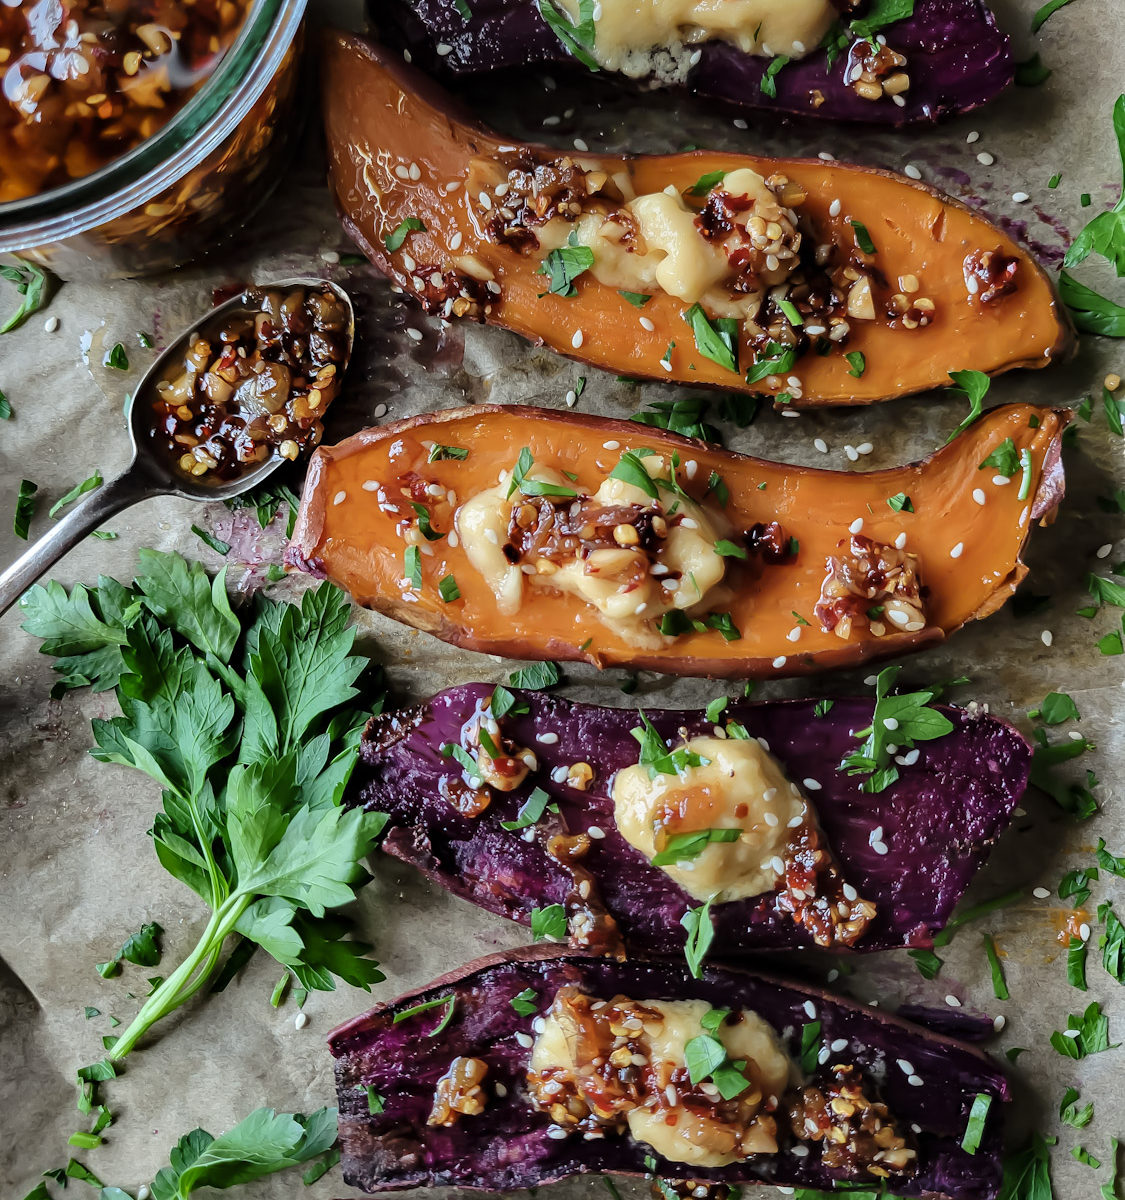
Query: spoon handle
x,y
110,498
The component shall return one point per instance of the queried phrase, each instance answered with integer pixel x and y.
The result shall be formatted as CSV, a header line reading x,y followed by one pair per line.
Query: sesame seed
x,y
973,137
1106,550
952,1001
852,453
834,208
890,723
824,156
548,739
856,525
1020,197
769,817
579,144
821,445
979,496
875,835
799,1151
1041,893
810,1010
500,1090
880,847
455,241
571,398
1084,931
1047,637
912,172
779,662
740,123
339,498
524,1040
370,485
985,159
556,1131
900,541
414,334
611,445
444,48
647,324
666,365
914,1081
795,822
794,634
849,892
300,1021
998,1022
812,784
380,410
957,550
576,341
864,448
415,172
905,1066
790,412
51,324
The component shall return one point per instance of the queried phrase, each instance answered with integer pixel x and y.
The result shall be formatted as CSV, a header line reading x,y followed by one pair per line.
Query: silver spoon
x,y
150,473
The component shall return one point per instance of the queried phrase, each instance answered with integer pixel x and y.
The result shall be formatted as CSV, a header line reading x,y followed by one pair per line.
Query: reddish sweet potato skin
x,y
933,827
508,1147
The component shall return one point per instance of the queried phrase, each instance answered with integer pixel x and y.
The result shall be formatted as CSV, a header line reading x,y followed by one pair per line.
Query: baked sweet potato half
x,y
544,534
814,283
487,1079
628,822
943,58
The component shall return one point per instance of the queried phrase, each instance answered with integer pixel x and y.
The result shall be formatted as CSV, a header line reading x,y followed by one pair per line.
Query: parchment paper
x,y
77,872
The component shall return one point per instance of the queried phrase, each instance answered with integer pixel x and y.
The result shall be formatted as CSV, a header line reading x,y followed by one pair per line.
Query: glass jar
x,y
186,188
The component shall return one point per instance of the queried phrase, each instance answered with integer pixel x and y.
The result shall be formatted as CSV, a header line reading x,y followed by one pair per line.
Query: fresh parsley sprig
x,y
251,726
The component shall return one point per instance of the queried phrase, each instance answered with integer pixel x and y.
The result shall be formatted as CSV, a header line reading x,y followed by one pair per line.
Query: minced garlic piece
x,y
642,37
739,786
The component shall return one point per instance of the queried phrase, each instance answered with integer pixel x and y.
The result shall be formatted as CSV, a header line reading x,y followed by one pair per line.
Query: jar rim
x,y
149,168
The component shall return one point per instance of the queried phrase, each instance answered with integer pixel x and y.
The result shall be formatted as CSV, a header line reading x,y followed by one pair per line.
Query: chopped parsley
x,y
448,589
717,340
1105,234
534,487
1003,460
700,934
631,470
706,183
974,1127
657,757
927,962
776,359
1043,14
1092,312
685,417
117,358
548,923
974,386
862,237
768,84
1112,863
1071,1114
424,527
525,1002
636,299
1056,708
412,566
810,1046
1031,73
531,810
577,36
789,310
706,1058
1112,942
438,453
683,847
822,708
393,241
25,508
900,502
999,984
857,363
1086,1033
31,285
448,1003
727,549
901,721
564,265
1076,963
504,702
536,677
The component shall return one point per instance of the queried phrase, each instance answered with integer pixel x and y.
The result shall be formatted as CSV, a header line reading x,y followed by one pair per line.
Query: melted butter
x,y
669,253
741,786
606,578
643,37
677,1133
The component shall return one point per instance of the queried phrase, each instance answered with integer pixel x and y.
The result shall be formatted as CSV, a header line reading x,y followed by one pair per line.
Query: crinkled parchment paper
x,y
77,872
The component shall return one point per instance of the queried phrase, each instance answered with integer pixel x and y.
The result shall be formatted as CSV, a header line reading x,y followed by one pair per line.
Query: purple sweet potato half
x,y
957,58
911,849
508,1145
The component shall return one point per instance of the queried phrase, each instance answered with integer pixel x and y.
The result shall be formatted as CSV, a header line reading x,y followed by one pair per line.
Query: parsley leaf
x,y
974,386
31,284
1004,460
25,508
862,237
563,266
536,677
549,923
683,847
717,340
705,183
901,721
252,730
578,37
1043,14
1085,1033
1112,942
999,984
900,502
534,487
531,810
881,14
79,489
631,470
1105,234
857,363
768,82
974,1127
1071,1114
525,1003
685,417
447,1003
657,757
1092,312
700,934
393,241
438,453
1112,863
776,359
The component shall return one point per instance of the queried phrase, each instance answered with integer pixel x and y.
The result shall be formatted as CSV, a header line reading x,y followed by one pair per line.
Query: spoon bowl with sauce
x,y
243,391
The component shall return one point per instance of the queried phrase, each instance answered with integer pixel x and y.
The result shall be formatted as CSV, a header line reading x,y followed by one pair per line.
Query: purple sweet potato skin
x,y
507,1147
938,820
957,57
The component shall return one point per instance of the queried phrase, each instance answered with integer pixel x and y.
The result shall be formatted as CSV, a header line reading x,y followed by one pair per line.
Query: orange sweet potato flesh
x,y
398,150
969,552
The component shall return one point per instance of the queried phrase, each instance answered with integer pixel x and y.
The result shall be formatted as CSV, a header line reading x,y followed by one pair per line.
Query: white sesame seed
x,y
596,832
880,847
576,341
1106,550
548,739
900,541
864,448
769,817
1075,736
579,144
821,445
779,662
914,1081
300,1021
905,1066
794,634
971,285
556,1131
415,334
849,892
740,123
890,723
790,412
524,1040
380,410
909,759
415,172
691,467
810,1010
500,1090
824,156
1047,637
51,324
957,550
1084,931
912,172
834,208
778,864
647,324
666,365
611,445
1041,893
444,48
799,1151
339,498
795,822
142,1192
979,496
332,257
852,453
370,485
900,101
1020,197
998,1022
571,398
856,525
875,835
952,1001
813,785
973,137
985,159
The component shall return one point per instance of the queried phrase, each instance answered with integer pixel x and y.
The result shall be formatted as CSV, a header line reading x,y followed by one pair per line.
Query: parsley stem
x,y
187,978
